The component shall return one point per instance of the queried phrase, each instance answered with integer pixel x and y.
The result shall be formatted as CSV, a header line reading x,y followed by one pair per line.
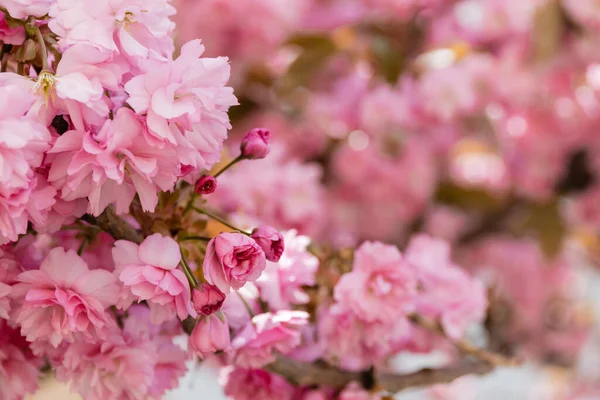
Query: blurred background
x,y
476,121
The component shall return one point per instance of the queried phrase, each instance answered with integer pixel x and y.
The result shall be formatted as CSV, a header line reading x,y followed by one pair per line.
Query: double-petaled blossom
x,y
63,299
97,370
250,384
210,334
381,286
282,283
149,273
23,142
19,368
111,165
170,362
24,8
265,334
446,292
356,344
232,259
139,29
186,102
9,270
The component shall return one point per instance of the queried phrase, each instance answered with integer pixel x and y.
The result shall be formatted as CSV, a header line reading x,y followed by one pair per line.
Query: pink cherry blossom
x,y
170,364
95,370
23,142
232,259
112,165
355,344
19,368
9,270
149,273
250,384
235,308
446,291
210,334
381,286
63,300
281,284
267,333
140,29
23,8
186,102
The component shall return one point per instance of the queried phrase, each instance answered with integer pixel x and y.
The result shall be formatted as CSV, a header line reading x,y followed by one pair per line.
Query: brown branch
x,y
394,383
464,345
116,226
308,374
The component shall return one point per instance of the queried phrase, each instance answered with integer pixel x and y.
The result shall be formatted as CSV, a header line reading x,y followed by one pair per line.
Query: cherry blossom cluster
x,y
402,178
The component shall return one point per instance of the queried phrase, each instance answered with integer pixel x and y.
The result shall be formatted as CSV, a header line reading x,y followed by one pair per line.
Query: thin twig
x,y
464,345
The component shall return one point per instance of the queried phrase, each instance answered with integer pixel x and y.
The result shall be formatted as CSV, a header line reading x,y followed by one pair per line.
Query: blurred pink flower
x,y
354,391
355,344
277,190
235,308
232,259
19,369
63,300
96,370
251,384
210,334
23,8
270,240
149,273
445,290
267,333
281,284
9,270
381,287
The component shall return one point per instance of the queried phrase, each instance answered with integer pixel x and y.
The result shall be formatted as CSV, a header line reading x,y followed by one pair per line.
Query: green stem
x,y
231,164
33,31
82,247
199,238
218,219
188,272
245,304
190,203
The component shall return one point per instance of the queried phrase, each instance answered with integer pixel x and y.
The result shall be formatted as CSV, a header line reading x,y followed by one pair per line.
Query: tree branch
x,y
116,226
308,374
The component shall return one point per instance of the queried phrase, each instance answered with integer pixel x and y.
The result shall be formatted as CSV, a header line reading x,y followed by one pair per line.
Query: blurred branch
x,y
308,374
464,345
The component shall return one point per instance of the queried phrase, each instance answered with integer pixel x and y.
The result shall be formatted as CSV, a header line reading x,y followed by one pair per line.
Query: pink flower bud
x,y
206,184
210,334
270,240
256,144
207,299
